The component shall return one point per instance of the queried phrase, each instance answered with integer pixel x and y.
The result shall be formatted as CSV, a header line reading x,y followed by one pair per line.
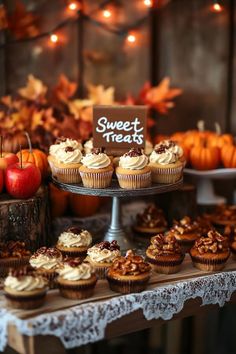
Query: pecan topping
x,y
230,232
204,224
74,230
111,246
151,217
213,243
163,147
73,262
184,226
49,252
69,149
131,264
13,249
225,213
164,245
134,152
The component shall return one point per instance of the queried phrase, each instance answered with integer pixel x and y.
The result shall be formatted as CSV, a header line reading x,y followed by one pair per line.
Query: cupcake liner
x,y
134,181
101,272
170,266
65,175
166,175
77,291
208,264
127,286
96,179
7,264
25,302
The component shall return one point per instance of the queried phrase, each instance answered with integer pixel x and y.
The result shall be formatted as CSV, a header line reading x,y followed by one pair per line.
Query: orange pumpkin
x,y
228,156
203,157
84,205
218,139
59,201
35,156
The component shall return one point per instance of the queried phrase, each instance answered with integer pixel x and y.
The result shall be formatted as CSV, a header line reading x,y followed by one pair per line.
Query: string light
x,y
131,38
217,7
54,38
106,13
148,3
73,6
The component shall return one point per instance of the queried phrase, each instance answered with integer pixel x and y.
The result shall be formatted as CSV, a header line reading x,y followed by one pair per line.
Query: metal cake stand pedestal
x,y
205,187
116,230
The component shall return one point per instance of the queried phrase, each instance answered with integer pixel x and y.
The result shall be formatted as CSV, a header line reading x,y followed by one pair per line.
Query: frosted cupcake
x,y
88,146
24,290
45,261
133,171
13,254
101,256
74,242
96,170
76,280
65,159
167,162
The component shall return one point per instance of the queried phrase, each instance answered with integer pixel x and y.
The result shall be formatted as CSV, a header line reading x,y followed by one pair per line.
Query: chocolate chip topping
x,y
163,147
134,152
74,230
20,272
73,262
49,252
151,217
69,149
131,264
60,140
111,246
97,151
213,243
164,245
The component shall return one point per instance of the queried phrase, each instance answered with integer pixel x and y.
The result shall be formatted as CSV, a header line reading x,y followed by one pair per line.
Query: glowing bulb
x,y
147,3
73,6
216,7
131,38
106,13
54,38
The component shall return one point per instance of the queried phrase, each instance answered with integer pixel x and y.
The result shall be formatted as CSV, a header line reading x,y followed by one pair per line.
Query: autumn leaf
x,y
64,89
76,106
3,18
100,95
34,90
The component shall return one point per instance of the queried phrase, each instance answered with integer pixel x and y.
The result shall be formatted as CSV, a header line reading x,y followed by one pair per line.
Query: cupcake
x,y
224,215
65,159
167,162
151,221
133,172
74,242
186,232
45,261
101,256
165,254
204,225
13,254
129,274
230,233
24,290
210,253
76,280
96,170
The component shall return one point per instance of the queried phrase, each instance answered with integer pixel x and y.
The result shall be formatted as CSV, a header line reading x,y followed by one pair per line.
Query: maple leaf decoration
x,y
22,23
64,89
160,97
77,106
100,95
34,90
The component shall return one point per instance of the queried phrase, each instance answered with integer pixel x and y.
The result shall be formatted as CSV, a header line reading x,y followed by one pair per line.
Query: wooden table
x,y
124,325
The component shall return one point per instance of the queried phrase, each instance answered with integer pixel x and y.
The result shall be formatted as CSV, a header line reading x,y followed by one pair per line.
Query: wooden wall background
x,y
192,46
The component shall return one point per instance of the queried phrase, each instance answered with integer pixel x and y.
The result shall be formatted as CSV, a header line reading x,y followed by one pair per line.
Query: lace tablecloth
x,y
86,323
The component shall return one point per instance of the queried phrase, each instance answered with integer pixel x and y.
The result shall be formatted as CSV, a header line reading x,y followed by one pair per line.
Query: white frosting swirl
x,y
96,160
25,283
45,262
175,148
134,162
82,271
67,157
164,158
63,144
88,146
148,147
69,239
102,256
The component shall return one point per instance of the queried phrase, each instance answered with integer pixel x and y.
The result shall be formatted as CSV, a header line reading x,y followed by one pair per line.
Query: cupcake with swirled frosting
x,y
101,256
76,280
74,242
65,159
24,289
133,171
96,170
45,262
167,162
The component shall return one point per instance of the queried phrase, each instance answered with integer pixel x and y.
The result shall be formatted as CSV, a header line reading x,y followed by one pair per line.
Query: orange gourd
x,y
35,156
218,139
203,157
228,155
84,205
59,201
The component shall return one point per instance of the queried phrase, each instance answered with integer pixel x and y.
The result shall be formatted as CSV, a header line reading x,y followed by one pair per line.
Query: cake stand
x,y
205,188
116,230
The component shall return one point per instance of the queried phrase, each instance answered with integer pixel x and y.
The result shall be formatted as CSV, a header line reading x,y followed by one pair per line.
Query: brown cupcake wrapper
x,y
101,272
51,277
166,263
25,302
167,175
134,181
127,286
209,264
66,175
77,292
96,180
74,254
6,265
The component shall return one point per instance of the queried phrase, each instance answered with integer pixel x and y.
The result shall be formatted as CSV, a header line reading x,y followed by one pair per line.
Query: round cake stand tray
x,y
205,188
116,230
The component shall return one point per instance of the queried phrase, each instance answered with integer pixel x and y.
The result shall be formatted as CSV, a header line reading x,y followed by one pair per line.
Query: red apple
x,y
22,180
1,180
7,159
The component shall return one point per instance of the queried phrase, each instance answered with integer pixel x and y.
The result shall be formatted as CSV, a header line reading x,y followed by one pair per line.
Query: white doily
x,y
86,323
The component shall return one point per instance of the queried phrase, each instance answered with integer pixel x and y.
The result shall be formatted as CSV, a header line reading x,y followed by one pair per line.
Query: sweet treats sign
x,y
118,128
